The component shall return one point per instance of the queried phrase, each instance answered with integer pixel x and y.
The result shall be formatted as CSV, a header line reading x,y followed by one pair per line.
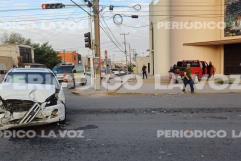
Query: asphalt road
x,y
131,135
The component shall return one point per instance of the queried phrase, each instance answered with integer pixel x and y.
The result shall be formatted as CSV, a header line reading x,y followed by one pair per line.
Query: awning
x,y
214,43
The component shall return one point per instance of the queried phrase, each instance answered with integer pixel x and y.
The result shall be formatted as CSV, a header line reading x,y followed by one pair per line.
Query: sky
x,y
64,28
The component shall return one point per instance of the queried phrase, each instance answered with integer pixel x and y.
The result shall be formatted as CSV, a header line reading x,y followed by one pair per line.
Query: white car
x,y
31,97
80,75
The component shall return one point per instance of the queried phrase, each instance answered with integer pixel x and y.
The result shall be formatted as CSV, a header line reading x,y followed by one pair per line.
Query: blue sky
x,y
72,39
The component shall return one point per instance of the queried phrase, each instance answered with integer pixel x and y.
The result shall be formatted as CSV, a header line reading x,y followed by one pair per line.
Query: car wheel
x,y
83,84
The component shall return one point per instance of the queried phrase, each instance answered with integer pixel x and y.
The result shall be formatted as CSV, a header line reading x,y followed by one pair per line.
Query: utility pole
x,y
124,35
152,49
97,44
134,54
92,70
130,56
64,56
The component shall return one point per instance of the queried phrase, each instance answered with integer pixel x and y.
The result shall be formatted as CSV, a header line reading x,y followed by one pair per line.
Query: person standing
x,y
210,70
187,79
144,73
108,73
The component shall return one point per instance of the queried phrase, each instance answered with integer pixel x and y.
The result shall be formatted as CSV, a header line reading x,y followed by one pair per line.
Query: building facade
x,y
15,55
70,57
143,61
207,30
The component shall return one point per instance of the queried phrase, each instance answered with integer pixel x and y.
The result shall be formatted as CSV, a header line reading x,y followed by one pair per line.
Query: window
x,y
63,69
26,54
31,78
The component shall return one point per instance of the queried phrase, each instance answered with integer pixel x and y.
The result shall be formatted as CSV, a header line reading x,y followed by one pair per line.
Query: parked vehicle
x,y
79,74
118,72
31,97
115,71
199,68
64,73
34,65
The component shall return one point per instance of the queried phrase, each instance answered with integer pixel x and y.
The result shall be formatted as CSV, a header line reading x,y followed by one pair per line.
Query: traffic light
x,y
88,40
134,16
89,4
111,7
53,6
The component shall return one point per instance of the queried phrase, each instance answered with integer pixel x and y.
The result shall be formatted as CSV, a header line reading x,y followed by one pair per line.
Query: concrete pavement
x,y
158,87
132,136
160,104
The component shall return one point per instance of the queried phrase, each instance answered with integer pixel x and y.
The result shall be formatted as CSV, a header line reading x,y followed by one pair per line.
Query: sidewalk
x,y
162,88
174,100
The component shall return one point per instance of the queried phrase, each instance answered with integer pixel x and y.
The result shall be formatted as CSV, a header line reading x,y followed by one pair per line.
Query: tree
x,y
15,38
45,54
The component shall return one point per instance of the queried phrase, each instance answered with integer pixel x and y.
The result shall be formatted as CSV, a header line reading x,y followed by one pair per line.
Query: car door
x,y
79,74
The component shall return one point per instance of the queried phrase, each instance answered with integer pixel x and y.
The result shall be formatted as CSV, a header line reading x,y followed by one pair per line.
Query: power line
x,y
110,38
80,7
50,19
36,15
110,31
124,35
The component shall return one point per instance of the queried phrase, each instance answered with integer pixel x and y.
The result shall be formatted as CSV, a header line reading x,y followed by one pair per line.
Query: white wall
x,y
161,37
169,44
140,62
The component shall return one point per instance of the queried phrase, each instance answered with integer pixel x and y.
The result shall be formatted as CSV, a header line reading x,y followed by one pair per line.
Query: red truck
x,y
198,68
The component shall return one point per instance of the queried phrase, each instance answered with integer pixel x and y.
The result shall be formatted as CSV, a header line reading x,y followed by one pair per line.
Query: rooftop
x,y
215,42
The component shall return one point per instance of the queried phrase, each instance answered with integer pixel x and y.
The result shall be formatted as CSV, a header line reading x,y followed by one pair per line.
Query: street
x,y
111,80
131,135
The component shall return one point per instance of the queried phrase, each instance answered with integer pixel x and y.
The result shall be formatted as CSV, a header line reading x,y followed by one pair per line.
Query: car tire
x,y
84,84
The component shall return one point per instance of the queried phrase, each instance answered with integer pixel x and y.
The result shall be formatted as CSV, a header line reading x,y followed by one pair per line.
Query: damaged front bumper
x,y
37,114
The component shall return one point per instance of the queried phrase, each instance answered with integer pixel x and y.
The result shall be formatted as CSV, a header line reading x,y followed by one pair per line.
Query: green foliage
x,y
15,38
43,53
130,68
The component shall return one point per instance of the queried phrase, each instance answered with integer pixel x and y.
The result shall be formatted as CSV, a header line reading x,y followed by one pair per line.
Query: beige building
x,y
195,30
141,61
14,55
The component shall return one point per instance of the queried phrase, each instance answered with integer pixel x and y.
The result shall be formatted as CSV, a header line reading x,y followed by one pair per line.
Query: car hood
x,y
31,92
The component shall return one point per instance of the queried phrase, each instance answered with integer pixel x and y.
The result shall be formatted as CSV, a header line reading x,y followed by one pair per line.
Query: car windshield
x,y
192,63
63,69
79,69
31,78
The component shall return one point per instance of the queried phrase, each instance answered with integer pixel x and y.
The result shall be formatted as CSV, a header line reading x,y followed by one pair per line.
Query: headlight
x,y
52,100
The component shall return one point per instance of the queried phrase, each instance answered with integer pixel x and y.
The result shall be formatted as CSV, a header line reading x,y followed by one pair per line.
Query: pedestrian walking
x,y
108,73
210,70
144,73
187,79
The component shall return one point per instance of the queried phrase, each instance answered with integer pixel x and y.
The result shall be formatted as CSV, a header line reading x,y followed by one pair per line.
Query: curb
x,y
114,93
158,110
